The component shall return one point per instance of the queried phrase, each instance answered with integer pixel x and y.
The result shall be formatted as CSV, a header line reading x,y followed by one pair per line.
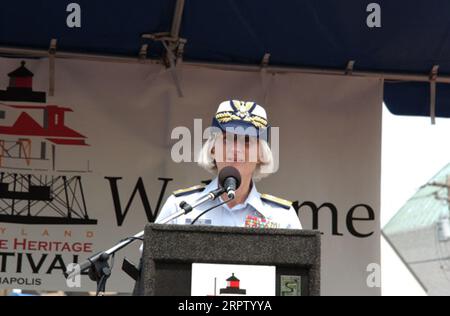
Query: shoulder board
x,y
275,200
197,188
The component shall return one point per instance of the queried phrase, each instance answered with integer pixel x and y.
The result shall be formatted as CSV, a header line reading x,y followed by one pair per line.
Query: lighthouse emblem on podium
x,y
233,287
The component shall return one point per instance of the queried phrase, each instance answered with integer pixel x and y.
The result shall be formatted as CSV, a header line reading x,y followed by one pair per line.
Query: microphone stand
x,y
98,266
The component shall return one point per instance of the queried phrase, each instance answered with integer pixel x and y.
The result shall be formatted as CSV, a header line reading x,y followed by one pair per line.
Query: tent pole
x,y
176,22
387,76
433,80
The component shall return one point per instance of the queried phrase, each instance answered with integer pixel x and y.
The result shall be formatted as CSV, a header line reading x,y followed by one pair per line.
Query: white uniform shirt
x,y
257,211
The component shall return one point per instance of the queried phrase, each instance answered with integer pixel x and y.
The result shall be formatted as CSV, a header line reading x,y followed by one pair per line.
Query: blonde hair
x,y
264,167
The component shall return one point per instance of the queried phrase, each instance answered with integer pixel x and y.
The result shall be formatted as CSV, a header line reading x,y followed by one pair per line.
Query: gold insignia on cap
x,y
225,117
258,121
243,107
276,200
242,113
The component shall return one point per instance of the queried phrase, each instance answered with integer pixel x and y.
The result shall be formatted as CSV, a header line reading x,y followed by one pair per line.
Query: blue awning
x,y
413,37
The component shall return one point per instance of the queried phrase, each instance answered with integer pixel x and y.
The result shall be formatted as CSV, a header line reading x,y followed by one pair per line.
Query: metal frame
x,y
50,200
388,76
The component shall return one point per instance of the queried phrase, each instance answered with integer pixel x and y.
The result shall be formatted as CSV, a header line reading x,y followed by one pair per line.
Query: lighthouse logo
x,y
233,287
21,87
33,190
208,279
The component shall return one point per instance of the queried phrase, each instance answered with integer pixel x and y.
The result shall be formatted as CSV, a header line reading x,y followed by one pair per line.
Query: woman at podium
x,y
238,140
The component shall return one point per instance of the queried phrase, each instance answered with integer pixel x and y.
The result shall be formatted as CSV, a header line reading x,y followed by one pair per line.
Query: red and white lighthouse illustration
x,y
33,190
21,87
233,287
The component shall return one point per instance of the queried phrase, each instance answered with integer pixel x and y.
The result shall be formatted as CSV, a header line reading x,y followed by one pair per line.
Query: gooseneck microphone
x,y
230,180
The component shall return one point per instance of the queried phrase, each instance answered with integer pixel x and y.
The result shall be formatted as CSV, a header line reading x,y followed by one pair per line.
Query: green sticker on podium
x,y
291,285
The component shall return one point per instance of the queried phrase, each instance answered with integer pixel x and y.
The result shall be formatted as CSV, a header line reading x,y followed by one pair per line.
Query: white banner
x,y
91,165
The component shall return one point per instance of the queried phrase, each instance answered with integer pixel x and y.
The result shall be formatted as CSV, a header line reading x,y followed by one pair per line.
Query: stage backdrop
x,y
84,168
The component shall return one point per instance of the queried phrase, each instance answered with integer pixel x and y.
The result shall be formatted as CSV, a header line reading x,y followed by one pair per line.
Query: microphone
x,y
230,180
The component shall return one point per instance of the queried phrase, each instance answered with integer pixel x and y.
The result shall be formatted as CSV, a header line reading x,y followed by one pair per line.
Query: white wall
x,y
413,151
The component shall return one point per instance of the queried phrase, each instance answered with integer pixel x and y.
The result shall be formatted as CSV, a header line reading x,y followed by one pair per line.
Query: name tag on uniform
x,y
200,221
258,222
